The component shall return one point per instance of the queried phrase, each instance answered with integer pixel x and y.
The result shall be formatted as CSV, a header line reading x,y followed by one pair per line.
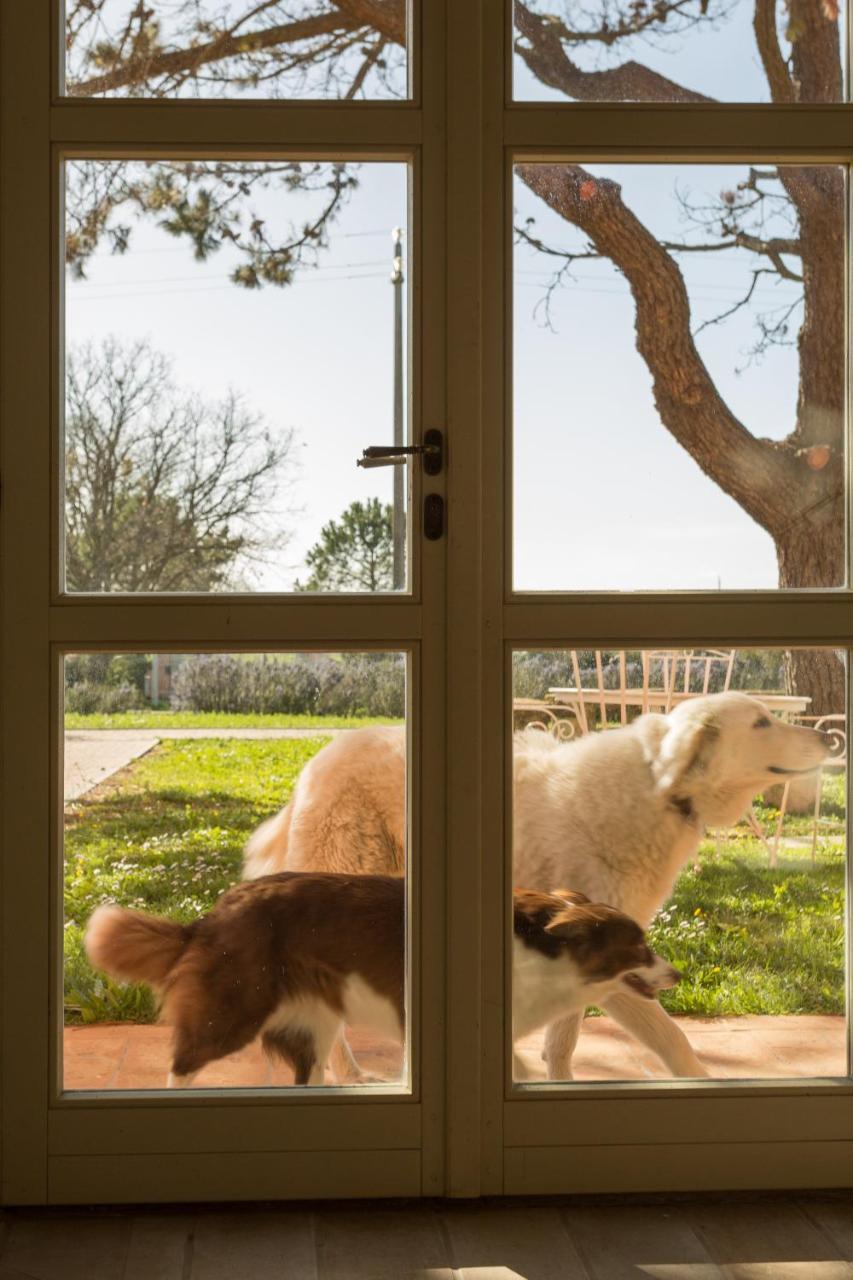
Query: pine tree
x,y
354,553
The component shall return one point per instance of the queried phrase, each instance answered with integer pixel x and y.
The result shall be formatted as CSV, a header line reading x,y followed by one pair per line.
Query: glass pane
x,y
680,51
199,791
679,377
217,397
237,49
699,795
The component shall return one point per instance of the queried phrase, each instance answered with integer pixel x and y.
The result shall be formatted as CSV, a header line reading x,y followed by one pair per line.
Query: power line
x,y
216,288
355,235
124,284
132,290
538,276
693,296
135,253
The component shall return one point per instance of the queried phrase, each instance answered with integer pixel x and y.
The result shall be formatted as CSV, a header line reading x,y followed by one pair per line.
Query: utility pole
x,y
401,471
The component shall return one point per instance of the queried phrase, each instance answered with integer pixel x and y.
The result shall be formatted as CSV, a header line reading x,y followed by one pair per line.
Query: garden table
x,y
655,699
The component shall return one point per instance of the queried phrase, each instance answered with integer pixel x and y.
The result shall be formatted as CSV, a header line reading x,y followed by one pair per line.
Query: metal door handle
x,y
393,455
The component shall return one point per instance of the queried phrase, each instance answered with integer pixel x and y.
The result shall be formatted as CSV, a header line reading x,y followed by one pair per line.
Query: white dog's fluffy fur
x,y
616,815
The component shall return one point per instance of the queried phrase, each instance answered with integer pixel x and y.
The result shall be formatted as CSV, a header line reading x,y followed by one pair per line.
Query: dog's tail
x,y
266,849
134,947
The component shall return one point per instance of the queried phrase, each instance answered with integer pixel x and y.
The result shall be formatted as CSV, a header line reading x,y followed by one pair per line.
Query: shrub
x,y
535,671
88,698
368,684
86,668
112,669
312,684
759,669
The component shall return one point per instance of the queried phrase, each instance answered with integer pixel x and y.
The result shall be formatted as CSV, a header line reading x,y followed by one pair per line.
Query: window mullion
x,y
282,125
638,131
760,618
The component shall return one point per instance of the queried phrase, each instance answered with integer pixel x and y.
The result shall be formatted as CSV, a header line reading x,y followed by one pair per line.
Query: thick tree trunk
x,y
810,546
819,675
814,556
809,529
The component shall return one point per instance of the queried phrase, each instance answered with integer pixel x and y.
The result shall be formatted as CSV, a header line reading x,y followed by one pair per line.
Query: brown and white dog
x,y
569,953
291,957
295,957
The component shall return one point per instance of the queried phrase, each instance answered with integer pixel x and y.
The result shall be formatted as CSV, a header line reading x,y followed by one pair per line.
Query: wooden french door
x,y
130,1139
570,565
459,1125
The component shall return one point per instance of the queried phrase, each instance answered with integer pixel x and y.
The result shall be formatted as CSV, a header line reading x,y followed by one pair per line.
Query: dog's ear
x,y
574,926
591,932
684,750
570,895
586,927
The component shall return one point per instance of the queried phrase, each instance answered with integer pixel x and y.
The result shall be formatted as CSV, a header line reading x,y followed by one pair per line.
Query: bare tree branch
x,y
374,53
140,58
541,48
387,17
162,491
206,202
737,306
767,39
772,249
137,71
690,406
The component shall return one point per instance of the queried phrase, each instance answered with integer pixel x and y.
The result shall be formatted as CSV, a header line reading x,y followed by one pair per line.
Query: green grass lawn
x,y
748,939
147,719
167,836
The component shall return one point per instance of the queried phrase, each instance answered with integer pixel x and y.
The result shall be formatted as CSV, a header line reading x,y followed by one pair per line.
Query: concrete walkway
x,y
87,762
92,755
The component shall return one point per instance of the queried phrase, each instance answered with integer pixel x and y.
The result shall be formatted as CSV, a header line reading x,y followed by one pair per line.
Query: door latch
x,y
393,455
433,516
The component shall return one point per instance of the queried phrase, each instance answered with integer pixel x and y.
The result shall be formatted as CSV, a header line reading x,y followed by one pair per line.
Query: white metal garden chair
x,y
667,676
836,726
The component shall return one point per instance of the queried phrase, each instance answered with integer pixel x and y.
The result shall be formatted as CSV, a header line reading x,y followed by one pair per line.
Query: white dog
x,y
616,815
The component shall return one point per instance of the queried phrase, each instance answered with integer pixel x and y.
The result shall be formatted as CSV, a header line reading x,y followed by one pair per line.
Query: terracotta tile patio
x,y
730,1048
124,1056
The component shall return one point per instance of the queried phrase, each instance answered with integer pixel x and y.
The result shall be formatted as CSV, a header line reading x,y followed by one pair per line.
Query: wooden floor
x,y
774,1238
